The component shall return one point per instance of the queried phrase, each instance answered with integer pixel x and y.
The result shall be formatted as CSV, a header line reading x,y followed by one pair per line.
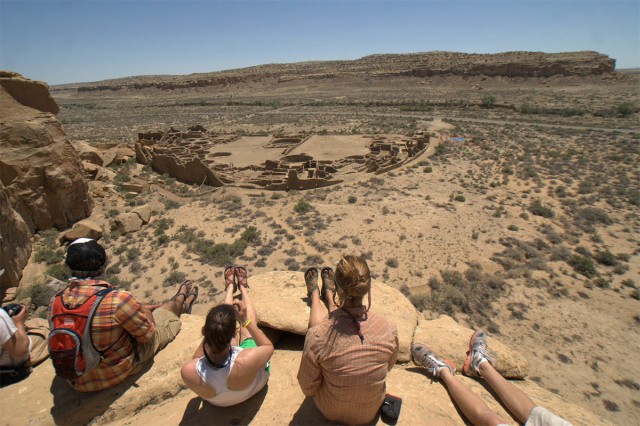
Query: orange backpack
x,y
70,345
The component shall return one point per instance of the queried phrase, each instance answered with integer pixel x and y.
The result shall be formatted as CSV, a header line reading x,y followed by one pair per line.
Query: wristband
x,y
247,322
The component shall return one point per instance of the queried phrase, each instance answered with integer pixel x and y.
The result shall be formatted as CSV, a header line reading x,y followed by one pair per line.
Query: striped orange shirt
x,y
118,321
346,377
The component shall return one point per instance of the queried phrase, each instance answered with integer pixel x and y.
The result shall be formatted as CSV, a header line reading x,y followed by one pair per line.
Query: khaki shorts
x,y
542,417
167,328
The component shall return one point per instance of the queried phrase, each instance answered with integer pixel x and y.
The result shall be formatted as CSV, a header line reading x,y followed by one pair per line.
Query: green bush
x,y
538,209
48,256
601,283
352,199
59,271
40,294
625,109
427,169
302,206
582,265
606,258
460,198
488,101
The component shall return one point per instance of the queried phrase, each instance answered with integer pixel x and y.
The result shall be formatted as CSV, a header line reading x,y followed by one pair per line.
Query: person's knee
x,y
489,418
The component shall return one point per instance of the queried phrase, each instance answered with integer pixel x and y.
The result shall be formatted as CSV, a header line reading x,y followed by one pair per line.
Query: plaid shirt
x,y
346,377
118,319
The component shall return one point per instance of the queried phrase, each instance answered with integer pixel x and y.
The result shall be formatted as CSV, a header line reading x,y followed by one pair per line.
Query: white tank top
x,y
217,379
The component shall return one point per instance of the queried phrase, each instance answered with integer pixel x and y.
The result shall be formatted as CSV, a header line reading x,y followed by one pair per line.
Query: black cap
x,y
85,254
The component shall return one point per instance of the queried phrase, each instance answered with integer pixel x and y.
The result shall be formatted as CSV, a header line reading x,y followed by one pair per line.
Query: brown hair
x,y
219,327
352,278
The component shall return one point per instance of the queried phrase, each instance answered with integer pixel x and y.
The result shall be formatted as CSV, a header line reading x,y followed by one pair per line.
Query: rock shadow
x,y
71,407
200,412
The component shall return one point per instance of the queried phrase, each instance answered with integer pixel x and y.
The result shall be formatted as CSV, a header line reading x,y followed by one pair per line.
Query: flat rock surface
x,y
281,303
157,395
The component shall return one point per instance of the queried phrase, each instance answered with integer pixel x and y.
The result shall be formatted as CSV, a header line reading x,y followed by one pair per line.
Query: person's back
x,y
353,373
348,353
117,323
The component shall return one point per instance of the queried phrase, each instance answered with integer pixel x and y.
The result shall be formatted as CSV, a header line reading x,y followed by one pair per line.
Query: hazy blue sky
x,y
72,41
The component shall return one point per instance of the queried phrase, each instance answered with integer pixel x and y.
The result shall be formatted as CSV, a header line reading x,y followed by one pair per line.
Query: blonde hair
x,y
352,278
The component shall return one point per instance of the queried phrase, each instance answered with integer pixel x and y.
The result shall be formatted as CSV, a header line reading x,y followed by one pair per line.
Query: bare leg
x,y
518,403
229,285
251,312
175,304
318,312
473,408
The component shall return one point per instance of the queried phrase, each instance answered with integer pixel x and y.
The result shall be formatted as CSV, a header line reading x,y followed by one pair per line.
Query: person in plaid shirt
x,y
128,333
348,350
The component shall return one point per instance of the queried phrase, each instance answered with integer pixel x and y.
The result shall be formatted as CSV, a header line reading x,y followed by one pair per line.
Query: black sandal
x,y
332,287
311,281
178,294
187,308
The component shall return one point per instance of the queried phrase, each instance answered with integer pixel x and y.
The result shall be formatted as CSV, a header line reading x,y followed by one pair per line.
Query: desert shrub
x,y
625,109
171,204
634,197
460,198
606,258
636,294
420,301
251,235
174,277
538,209
628,283
488,101
59,271
582,265
592,215
392,263
48,256
405,290
513,227
302,206
40,294
601,283
427,169
352,199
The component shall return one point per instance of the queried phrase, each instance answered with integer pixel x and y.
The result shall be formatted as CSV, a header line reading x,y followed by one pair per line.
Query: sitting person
x,y
228,367
479,364
126,332
347,352
21,345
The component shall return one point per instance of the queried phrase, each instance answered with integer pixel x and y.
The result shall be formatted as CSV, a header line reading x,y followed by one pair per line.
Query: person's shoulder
x,y
381,320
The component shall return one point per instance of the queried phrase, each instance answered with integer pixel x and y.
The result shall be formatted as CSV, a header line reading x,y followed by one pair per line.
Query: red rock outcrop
x,y
15,242
39,167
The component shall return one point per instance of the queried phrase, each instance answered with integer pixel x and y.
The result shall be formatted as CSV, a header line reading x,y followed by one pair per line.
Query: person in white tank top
x,y
228,367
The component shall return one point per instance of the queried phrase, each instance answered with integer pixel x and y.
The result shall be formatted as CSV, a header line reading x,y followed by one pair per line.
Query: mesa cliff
x,y
508,64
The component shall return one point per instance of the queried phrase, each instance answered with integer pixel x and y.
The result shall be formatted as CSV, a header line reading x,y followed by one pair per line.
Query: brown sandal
x,y
241,280
229,272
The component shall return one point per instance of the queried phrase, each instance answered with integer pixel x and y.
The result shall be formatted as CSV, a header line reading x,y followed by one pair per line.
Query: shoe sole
x,y
466,369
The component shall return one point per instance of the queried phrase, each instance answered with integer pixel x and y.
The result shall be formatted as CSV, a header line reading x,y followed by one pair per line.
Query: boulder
x,y
15,242
90,169
127,222
450,340
281,303
89,153
144,212
30,93
39,168
118,154
84,229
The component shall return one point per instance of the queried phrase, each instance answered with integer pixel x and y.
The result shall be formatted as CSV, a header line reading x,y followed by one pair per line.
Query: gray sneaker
x,y
478,353
422,355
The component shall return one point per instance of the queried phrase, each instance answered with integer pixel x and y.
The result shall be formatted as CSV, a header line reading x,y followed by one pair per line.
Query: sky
x,y
64,41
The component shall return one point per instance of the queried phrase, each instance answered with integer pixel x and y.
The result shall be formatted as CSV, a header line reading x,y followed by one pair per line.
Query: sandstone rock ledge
x,y
157,395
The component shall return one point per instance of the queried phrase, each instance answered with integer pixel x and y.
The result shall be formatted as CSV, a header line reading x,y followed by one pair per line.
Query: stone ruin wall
x,y
186,156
